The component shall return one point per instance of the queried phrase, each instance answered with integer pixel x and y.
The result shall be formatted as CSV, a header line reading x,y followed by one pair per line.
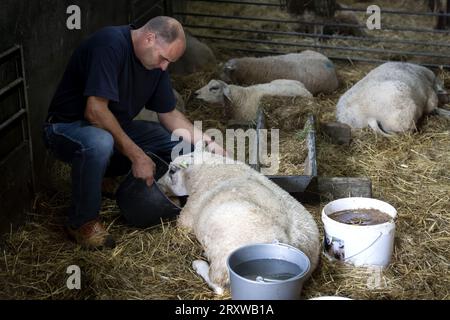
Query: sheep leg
x,y
202,269
374,125
443,112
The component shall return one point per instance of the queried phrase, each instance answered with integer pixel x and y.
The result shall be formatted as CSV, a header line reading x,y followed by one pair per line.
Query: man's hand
x,y
144,168
175,120
98,114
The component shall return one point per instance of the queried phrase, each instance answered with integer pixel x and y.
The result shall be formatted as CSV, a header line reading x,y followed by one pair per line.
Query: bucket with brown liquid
x,y
359,231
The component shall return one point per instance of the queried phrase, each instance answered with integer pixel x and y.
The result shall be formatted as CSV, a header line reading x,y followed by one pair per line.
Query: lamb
x,y
231,205
391,98
241,103
311,68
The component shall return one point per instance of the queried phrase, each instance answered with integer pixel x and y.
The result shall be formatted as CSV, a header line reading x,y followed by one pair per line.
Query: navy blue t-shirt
x,y
105,65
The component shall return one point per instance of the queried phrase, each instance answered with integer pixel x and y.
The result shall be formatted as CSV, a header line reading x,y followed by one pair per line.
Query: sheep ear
x,y
227,92
230,65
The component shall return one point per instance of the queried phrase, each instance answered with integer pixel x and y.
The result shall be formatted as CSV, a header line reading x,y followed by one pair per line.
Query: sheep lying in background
x,y
232,205
241,103
197,57
391,98
311,68
149,115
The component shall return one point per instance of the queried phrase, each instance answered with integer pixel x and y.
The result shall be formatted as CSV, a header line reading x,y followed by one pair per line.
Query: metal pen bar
x,y
19,114
399,12
360,26
28,120
239,2
413,53
6,54
350,59
314,35
410,13
10,86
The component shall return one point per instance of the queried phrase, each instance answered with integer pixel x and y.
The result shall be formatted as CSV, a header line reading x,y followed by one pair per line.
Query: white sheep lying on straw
x,y
241,103
391,98
311,68
232,205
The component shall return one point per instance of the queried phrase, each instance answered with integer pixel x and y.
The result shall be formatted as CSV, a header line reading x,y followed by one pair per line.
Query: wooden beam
x,y
332,188
309,189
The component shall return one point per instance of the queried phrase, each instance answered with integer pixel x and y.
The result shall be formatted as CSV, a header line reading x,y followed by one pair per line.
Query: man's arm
x,y
99,115
176,120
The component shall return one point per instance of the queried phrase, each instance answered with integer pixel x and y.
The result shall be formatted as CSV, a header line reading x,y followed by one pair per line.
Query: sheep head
x,y
214,92
173,183
228,69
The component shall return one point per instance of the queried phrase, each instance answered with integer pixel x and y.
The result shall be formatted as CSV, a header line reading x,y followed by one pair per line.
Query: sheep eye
x,y
215,88
172,170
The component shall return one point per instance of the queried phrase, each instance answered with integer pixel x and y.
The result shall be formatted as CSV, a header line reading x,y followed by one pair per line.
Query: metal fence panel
x,y
265,27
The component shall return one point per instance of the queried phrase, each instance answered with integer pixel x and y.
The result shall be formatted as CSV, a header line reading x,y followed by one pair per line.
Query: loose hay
x,y
411,172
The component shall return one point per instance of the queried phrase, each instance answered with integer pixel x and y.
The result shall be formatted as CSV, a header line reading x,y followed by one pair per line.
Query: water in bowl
x,y
267,270
361,217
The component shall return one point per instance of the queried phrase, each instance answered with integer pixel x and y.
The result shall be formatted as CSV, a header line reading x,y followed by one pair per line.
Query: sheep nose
x,y
196,93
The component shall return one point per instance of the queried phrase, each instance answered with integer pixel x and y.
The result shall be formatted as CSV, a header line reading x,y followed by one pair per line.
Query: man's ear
x,y
150,38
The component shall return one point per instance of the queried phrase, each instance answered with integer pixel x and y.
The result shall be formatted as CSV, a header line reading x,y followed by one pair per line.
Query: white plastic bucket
x,y
369,245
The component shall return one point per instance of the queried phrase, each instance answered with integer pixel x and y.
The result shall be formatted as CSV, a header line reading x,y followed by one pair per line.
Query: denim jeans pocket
x,y
60,145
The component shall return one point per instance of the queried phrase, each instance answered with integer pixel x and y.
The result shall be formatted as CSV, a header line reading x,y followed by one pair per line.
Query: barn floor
x,y
411,172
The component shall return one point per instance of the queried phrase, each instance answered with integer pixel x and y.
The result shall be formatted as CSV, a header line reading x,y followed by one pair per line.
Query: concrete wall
x,y
40,27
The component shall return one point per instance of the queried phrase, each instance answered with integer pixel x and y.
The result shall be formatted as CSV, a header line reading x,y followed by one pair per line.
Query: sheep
x,y
197,57
311,68
391,98
332,20
231,205
241,103
149,115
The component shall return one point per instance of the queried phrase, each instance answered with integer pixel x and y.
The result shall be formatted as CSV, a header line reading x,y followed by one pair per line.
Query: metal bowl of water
x,y
267,271
144,206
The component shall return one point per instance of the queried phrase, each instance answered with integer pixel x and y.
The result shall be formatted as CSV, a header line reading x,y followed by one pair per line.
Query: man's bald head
x,y
167,28
159,42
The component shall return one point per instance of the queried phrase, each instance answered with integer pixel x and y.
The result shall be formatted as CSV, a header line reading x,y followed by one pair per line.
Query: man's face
x,y
159,54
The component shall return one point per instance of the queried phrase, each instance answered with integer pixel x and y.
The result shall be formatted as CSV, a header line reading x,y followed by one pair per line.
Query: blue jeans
x,y
90,152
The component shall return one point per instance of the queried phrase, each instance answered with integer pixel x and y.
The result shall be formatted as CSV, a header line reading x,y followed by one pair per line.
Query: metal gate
x,y
265,27
16,162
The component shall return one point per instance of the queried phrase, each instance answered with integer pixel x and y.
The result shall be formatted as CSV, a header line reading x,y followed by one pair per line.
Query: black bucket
x,y
144,206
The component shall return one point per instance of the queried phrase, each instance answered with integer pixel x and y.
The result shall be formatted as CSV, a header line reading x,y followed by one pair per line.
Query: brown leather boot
x,y
92,235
